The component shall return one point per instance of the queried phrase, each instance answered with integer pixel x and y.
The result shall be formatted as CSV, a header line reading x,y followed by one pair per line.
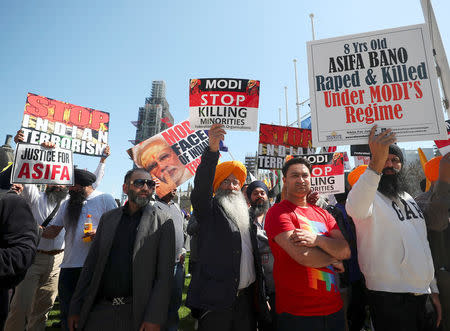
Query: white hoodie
x,y
393,250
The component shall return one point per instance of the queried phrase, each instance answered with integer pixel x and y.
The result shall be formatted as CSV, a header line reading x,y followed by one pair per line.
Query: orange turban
x,y
431,168
224,169
356,173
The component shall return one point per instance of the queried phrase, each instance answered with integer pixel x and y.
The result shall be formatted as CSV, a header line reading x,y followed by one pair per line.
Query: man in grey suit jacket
x,y
126,280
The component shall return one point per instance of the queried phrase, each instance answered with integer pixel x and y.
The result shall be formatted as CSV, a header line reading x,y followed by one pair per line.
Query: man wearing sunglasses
x,y
126,281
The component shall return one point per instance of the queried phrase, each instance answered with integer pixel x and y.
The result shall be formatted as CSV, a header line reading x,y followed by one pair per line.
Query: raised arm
x,y
360,199
202,194
100,171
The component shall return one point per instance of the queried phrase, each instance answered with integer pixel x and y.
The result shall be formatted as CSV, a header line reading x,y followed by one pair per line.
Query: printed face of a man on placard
x,y
161,161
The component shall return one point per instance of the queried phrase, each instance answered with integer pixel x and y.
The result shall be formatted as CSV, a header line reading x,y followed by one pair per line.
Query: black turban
x,y
84,177
395,150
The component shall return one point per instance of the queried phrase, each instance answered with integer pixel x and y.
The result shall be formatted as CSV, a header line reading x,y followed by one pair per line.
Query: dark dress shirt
x,y
117,279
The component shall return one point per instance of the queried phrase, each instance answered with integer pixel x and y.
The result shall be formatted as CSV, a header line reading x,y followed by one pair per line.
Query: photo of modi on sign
x,y
171,157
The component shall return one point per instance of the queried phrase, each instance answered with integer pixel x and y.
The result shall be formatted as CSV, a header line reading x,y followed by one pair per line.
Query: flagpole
x,y
440,57
286,99
311,16
297,104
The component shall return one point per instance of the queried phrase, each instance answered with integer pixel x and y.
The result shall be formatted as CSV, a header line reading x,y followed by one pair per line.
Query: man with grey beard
x,y
35,295
229,276
257,194
126,280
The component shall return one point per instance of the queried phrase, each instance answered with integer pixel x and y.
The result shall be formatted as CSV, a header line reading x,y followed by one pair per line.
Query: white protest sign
x,y
34,164
228,101
383,77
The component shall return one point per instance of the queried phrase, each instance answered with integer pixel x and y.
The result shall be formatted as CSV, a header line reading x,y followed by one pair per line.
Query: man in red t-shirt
x,y
307,246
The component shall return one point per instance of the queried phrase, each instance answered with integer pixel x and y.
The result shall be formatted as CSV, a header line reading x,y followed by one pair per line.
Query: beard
x,y
56,194
235,207
140,201
259,207
74,206
392,185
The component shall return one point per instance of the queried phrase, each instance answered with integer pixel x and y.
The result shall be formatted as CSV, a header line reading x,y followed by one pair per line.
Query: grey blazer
x,y
153,264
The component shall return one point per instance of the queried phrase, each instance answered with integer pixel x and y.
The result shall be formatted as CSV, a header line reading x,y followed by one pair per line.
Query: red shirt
x,y
301,290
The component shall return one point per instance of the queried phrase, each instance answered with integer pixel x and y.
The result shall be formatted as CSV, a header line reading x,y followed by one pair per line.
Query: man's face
x,y
161,161
231,183
138,188
392,165
297,180
258,197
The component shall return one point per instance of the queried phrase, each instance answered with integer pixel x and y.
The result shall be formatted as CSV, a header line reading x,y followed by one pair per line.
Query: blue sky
x,y
105,54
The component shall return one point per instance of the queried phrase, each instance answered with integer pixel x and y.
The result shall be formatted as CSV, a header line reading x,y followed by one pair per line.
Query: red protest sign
x,y
231,102
80,129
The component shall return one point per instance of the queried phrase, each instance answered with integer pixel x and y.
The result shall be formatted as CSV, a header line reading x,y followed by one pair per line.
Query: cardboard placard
x,y
172,156
34,164
82,130
384,77
228,101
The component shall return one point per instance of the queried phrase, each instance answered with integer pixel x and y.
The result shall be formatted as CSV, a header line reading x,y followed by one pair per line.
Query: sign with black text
x,y
82,130
385,77
227,101
34,164
327,176
171,156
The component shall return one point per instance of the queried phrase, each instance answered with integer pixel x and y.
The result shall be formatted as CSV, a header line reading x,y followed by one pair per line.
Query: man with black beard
x,y
393,250
35,295
83,200
126,281
257,194
223,286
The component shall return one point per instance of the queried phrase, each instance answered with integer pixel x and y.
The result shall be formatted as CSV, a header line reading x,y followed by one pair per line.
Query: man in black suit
x,y
126,280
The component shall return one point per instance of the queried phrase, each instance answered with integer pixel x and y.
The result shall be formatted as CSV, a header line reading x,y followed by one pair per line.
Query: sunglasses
x,y
139,183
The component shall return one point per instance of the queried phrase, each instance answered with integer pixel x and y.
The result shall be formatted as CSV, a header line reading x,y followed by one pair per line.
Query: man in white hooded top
x,y
393,249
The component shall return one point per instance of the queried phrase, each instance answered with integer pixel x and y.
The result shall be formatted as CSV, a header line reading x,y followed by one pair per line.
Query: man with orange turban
x,y
223,286
435,204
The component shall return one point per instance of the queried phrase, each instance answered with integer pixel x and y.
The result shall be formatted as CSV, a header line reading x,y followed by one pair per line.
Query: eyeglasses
x,y
139,183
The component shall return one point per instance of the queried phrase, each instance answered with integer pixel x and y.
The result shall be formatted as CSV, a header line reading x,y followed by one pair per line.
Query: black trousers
x,y
397,311
356,311
4,306
240,317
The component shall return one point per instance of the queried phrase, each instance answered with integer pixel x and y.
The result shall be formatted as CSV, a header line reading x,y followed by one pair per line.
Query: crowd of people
x,y
375,259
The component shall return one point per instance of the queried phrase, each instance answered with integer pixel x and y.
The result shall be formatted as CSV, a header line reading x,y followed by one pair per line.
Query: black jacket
x,y
215,282
18,239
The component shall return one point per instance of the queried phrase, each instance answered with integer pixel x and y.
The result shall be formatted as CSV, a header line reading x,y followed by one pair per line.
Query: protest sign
x,y
383,77
327,175
231,102
34,164
444,145
172,156
79,129
275,142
